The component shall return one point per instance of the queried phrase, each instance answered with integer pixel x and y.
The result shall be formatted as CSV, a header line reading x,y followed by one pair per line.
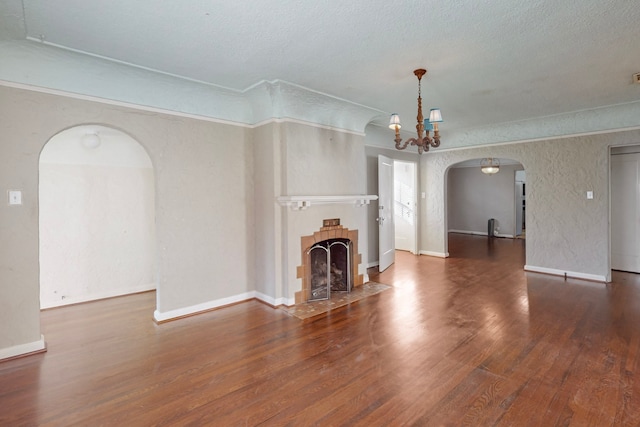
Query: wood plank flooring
x,y
469,340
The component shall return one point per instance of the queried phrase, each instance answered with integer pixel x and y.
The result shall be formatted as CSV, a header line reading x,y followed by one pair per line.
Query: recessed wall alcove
x,y
96,216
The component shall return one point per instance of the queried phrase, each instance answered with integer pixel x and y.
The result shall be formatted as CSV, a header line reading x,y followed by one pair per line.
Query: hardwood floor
x,y
469,340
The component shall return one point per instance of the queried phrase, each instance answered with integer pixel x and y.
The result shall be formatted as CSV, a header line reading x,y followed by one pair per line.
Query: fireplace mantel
x,y
304,202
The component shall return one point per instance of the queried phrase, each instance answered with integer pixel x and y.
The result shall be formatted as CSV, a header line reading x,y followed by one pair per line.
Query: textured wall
x,y
265,141
204,200
319,162
565,231
21,139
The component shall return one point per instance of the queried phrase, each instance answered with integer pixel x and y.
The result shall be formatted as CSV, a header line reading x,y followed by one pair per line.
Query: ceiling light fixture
x,y
490,166
435,117
91,140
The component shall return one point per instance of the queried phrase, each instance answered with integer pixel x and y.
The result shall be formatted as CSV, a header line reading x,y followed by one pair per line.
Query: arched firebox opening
x,y
330,262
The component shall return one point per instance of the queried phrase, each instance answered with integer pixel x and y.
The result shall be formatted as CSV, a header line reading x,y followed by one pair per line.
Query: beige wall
x,y
294,159
204,200
219,231
565,231
221,236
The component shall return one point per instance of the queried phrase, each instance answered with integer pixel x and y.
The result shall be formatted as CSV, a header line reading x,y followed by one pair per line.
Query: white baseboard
x,y
481,233
435,254
373,264
18,350
274,301
572,274
202,307
97,296
211,305
475,233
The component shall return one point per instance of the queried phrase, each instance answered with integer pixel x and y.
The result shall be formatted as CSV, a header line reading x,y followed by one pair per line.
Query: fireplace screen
x,y
330,268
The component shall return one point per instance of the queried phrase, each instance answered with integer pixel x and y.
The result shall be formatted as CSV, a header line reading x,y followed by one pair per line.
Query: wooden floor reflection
x,y
467,340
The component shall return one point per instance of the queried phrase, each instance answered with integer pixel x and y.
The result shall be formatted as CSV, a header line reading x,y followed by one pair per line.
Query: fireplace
x,y
330,263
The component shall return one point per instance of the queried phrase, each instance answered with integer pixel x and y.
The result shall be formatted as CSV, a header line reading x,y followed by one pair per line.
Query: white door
x,y
386,240
625,212
404,205
519,211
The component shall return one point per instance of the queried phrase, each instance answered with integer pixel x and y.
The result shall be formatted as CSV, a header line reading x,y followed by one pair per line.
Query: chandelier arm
x,y
436,139
403,146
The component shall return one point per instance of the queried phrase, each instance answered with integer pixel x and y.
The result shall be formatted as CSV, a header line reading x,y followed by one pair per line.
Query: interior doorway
x,y
405,205
485,204
521,204
625,208
96,216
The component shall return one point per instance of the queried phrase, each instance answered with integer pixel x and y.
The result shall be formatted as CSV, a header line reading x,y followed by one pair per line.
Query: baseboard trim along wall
x,y
572,274
201,308
166,316
482,233
435,254
274,302
23,349
98,296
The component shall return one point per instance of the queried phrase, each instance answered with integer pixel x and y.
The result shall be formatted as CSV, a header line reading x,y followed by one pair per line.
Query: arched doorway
x,y
474,198
96,216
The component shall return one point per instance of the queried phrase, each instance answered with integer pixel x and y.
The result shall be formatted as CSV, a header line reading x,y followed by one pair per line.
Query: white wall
x,y
97,220
474,197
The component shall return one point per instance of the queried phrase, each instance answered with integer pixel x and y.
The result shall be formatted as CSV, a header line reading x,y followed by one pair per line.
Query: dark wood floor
x,y
468,340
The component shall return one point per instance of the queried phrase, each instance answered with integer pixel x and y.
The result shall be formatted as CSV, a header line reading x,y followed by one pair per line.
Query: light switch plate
x,y
589,195
15,197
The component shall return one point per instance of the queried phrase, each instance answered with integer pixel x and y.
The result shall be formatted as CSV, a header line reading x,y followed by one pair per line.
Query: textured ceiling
x,y
489,62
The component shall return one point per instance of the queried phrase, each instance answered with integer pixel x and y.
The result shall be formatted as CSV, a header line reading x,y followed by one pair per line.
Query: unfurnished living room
x,y
292,213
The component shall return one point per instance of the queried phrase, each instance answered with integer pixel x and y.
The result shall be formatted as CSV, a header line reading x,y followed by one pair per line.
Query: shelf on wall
x,y
304,202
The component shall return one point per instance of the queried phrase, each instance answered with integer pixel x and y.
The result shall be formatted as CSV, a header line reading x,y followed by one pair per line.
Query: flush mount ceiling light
x,y
490,166
435,117
91,140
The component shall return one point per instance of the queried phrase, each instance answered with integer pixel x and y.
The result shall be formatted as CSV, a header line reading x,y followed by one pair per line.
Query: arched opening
x,y
492,205
96,216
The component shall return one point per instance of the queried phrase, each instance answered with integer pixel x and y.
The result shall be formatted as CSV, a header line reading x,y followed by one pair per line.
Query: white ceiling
x,y
489,62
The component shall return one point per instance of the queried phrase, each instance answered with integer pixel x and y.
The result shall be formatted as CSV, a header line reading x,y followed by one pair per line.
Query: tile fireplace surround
x,y
304,221
326,233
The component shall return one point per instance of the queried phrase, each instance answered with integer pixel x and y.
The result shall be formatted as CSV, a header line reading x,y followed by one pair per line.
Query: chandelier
x,y
435,117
